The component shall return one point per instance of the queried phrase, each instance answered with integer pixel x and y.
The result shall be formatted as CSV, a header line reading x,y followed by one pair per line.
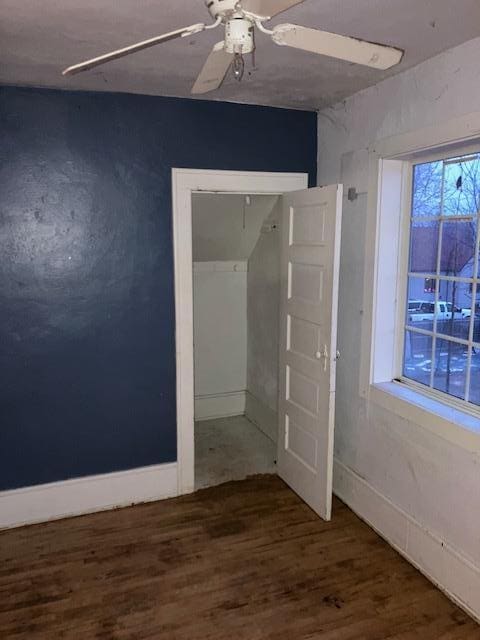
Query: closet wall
x,y
263,308
220,338
226,229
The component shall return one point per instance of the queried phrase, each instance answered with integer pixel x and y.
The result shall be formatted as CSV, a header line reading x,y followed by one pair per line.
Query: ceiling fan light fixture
x,y
238,42
238,66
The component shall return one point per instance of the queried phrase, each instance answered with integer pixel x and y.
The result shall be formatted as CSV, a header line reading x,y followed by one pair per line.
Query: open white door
x,y
311,225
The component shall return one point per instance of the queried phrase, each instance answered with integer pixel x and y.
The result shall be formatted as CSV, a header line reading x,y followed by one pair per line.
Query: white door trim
x,y
184,183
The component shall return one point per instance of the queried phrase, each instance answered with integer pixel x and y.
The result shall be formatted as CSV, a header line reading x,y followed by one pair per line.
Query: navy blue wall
x,y
87,353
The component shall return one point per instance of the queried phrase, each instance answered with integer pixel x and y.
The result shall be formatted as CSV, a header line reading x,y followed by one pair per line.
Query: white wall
x,y
225,227
263,308
225,232
421,491
220,338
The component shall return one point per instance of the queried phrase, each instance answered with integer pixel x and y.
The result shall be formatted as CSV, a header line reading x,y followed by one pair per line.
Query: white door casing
x,y
311,226
184,183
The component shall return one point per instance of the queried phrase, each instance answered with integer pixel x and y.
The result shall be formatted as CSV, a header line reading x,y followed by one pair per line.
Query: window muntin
x,y
442,328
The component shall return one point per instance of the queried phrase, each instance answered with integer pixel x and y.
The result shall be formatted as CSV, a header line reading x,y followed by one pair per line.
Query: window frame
x,y
404,274
365,168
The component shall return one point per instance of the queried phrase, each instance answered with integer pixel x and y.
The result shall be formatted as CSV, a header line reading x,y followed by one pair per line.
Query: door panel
x,y
310,260
304,338
302,391
301,443
307,226
305,282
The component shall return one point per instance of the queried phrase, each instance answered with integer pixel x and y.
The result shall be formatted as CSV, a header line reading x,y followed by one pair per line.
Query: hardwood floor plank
x,y
245,560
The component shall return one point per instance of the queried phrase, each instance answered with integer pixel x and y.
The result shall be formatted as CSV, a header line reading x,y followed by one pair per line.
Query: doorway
x,y
310,223
185,183
236,301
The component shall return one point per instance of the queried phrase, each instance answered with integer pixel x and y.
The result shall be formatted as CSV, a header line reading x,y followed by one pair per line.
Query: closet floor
x,y
230,449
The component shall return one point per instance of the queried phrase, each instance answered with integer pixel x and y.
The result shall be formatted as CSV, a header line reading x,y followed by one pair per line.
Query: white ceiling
x,y
224,227
39,38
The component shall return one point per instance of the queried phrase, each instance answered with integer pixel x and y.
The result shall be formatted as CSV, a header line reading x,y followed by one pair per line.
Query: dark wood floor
x,y
246,560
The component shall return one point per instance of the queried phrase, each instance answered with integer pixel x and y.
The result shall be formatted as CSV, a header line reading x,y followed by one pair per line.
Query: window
x,y
441,348
429,285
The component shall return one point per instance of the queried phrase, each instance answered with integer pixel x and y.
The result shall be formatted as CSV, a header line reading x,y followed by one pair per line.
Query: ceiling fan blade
x,y
333,45
268,8
126,51
214,70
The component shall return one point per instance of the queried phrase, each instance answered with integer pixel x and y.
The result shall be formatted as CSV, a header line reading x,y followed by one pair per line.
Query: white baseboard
x,y
87,495
221,405
454,574
262,416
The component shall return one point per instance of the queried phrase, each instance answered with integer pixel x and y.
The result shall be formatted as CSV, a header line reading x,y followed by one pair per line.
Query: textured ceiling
x,y
39,38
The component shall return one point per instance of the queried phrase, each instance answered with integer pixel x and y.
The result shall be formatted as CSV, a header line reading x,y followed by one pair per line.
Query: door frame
x,y
185,182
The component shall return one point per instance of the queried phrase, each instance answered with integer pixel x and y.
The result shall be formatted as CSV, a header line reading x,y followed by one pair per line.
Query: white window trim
x,y
385,279
448,422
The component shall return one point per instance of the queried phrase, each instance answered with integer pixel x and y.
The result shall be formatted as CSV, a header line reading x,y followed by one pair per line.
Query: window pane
x,y
458,248
430,285
450,368
427,189
475,377
424,238
454,309
462,186
417,357
476,325
420,304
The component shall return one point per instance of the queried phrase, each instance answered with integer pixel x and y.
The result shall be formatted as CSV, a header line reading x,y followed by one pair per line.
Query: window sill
x,y
450,423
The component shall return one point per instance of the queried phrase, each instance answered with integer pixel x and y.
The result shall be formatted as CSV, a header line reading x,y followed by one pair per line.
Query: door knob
x,y
319,355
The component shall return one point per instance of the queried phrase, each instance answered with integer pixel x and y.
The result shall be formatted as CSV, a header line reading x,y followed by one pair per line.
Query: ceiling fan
x,y
239,18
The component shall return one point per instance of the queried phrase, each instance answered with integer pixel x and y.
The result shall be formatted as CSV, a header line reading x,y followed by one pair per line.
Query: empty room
x,y
240,320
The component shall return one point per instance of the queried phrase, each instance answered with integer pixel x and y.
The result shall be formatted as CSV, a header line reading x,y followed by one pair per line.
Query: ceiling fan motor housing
x,y
239,36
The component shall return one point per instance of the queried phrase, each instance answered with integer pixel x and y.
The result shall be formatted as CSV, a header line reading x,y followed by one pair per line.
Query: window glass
x,y
442,332
460,186
424,239
475,377
418,357
476,319
429,286
450,368
455,309
458,248
427,189
420,304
